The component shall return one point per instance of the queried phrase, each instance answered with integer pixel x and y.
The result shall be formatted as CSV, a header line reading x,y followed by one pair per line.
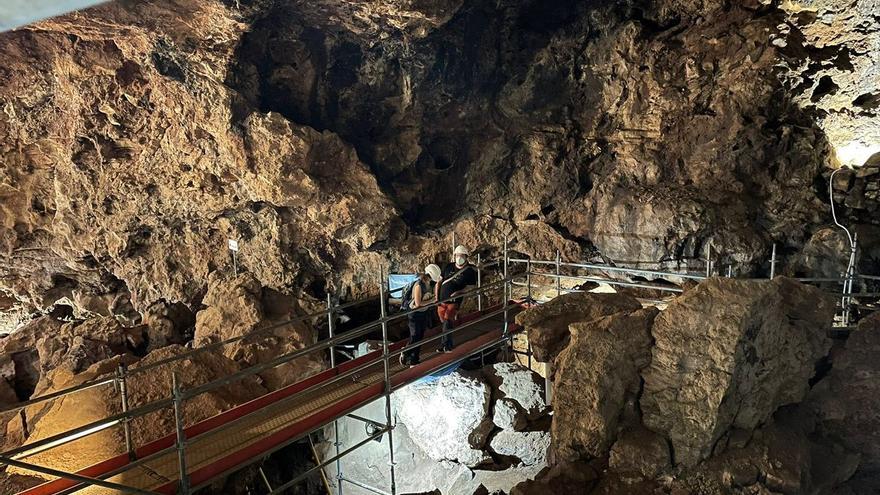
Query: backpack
x,y
406,297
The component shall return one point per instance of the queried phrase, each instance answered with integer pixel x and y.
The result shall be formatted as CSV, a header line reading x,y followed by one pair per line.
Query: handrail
x,y
30,449
608,268
75,477
100,425
201,349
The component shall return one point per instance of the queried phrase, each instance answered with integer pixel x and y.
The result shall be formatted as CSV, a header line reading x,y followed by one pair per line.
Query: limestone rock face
x,y
155,110
847,399
728,353
47,348
845,89
507,414
548,324
826,254
595,376
447,417
78,345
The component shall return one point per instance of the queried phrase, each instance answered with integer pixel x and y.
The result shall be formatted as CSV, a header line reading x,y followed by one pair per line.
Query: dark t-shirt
x,y
456,279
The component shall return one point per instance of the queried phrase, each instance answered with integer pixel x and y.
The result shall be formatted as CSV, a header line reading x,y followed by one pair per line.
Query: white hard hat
x,y
434,271
461,250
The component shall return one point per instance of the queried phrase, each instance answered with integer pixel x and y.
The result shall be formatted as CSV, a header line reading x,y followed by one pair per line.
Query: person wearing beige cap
x,y
416,296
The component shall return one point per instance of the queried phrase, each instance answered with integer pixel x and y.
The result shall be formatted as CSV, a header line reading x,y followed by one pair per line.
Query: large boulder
x,y
847,400
507,414
728,353
530,447
520,385
595,376
448,418
547,324
639,453
240,306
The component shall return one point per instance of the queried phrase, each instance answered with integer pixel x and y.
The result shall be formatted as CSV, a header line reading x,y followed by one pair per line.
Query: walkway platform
x,y
230,440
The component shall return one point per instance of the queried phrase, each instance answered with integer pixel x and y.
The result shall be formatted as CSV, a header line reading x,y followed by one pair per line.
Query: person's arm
x,y
428,299
417,296
469,281
437,289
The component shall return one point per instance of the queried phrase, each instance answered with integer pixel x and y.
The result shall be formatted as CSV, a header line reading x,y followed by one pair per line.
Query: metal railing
x,y
178,395
846,294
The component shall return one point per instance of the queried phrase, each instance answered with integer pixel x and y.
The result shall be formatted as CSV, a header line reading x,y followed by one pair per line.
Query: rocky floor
x,y
454,433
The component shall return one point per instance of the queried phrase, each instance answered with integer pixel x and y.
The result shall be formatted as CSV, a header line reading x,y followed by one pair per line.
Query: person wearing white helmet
x,y
415,298
455,278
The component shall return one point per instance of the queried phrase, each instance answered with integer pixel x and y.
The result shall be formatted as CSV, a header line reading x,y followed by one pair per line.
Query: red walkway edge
x,y
310,423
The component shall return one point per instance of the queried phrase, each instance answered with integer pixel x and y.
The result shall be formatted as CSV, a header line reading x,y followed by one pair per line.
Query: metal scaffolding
x,y
182,440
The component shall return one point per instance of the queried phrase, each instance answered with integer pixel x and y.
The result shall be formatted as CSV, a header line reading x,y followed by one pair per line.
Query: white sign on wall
x,y
233,244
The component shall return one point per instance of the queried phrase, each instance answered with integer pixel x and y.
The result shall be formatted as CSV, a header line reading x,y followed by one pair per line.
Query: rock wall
x,y
329,137
844,401
728,353
727,390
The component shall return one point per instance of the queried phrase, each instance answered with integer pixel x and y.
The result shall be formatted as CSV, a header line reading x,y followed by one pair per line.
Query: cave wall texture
x,y
331,136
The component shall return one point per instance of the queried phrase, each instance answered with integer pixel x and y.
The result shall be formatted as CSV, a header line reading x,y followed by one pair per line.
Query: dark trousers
x,y
418,322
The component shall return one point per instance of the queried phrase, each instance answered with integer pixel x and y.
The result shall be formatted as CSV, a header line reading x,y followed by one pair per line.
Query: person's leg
x,y
442,312
449,324
421,321
412,323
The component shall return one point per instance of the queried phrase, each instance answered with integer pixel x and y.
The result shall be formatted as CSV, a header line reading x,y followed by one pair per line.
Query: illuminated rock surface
x,y
728,353
438,420
448,418
519,384
596,375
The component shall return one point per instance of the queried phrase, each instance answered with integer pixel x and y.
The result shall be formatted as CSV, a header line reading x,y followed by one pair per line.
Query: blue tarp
x,y
398,280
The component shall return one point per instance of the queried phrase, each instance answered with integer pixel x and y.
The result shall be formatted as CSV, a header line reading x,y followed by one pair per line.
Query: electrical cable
x,y
833,213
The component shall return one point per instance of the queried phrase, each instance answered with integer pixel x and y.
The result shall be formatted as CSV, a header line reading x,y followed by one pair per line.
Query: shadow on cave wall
x,y
440,118
418,111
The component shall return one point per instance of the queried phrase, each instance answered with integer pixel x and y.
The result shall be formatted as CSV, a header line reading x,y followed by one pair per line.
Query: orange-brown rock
x,y
595,377
548,324
728,353
90,405
237,307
